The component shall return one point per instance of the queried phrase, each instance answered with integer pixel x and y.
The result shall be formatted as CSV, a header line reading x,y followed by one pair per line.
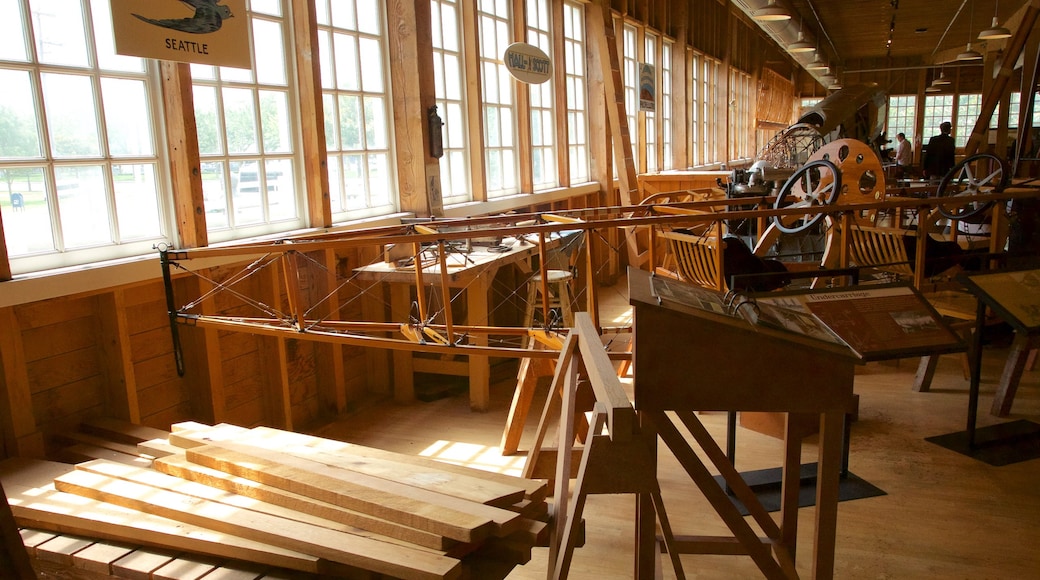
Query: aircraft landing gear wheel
x,y
978,174
815,184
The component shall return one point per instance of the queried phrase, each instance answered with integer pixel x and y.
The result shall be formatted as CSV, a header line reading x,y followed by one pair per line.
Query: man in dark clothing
x,y
938,156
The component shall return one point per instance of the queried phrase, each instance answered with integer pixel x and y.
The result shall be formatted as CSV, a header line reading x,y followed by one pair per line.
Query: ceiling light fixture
x,y
800,45
968,53
941,80
995,32
932,89
771,13
817,64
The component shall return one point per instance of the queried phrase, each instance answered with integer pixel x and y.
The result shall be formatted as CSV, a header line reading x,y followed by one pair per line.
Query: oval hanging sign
x,y
527,63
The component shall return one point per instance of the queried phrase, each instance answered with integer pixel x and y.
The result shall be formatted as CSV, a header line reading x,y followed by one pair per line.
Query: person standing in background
x,y
904,155
939,154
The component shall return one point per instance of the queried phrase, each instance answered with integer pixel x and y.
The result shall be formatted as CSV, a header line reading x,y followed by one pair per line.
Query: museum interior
x,y
376,288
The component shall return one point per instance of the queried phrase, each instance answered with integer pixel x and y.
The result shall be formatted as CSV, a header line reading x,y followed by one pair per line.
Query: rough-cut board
x,y
456,519
329,544
121,431
160,480
35,502
179,466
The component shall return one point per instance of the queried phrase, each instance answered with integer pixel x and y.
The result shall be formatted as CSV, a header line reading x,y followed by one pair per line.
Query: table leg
x,y
828,474
479,366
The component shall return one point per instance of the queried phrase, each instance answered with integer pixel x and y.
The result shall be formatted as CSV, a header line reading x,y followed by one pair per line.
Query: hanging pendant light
x,y
932,89
941,80
800,45
995,32
771,13
817,64
968,53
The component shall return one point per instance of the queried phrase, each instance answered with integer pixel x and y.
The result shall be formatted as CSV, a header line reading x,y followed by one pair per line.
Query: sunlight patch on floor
x,y
476,456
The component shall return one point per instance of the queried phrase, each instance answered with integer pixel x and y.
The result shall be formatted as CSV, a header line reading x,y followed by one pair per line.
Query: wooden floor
x,y
945,515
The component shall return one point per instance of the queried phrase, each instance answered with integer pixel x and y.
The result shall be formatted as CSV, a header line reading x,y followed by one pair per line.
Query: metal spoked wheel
x,y
978,174
815,184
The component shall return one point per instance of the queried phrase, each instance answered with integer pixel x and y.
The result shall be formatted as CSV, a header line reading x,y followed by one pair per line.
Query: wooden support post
x,y
315,154
18,425
183,148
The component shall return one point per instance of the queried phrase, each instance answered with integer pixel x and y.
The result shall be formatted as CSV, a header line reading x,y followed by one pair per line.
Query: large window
x,y
740,111
667,162
968,109
650,116
80,172
709,97
352,41
501,164
696,155
577,117
247,135
450,83
543,126
937,109
902,116
630,68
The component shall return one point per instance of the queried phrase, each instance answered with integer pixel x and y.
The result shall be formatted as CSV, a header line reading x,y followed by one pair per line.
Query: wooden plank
x,y
179,466
77,437
121,431
99,556
432,512
61,549
185,568
35,502
621,417
32,538
336,546
83,452
183,147
158,448
236,572
202,490
535,490
116,356
468,486
139,564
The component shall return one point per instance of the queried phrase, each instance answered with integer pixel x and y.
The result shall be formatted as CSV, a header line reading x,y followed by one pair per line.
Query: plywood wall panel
x,y
155,370
148,316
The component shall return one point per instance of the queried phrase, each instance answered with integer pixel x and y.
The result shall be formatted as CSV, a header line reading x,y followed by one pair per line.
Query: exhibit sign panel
x,y
213,32
527,63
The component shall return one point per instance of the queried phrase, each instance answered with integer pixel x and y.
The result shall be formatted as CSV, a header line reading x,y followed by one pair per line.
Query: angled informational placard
x,y
214,32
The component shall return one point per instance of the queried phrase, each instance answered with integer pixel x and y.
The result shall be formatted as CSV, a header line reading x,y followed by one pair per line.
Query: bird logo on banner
x,y
209,16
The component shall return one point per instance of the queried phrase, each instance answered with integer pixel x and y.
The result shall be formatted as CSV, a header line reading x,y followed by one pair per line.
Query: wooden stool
x,y
558,283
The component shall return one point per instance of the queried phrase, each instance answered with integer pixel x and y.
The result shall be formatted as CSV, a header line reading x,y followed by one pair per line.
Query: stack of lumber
x,y
291,501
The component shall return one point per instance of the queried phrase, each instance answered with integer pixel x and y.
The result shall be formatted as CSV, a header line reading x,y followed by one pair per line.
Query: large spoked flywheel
x,y
815,184
978,174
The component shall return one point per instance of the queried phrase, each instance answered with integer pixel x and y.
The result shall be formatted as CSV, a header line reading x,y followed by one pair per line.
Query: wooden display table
x,y
700,350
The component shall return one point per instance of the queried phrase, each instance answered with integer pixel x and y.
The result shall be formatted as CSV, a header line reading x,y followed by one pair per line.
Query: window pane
x,y
272,7
346,63
126,117
354,181
280,197
83,204
325,59
335,184
104,41
137,201
375,123
72,122
343,14
368,12
350,121
274,118
328,105
240,116
378,178
214,191
246,197
12,41
58,27
18,123
207,121
27,220
270,52
372,71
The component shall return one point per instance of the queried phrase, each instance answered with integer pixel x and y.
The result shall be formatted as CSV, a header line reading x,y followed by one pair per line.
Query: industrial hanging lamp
x,y
968,53
817,64
941,80
771,13
995,32
800,45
